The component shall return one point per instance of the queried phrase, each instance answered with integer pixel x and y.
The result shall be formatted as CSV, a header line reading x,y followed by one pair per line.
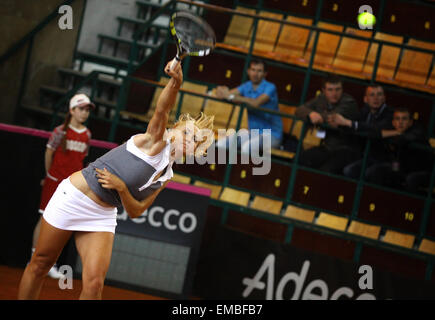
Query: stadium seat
x,y
326,46
266,205
299,213
387,60
364,230
220,110
399,239
267,32
292,39
234,196
427,246
240,28
310,139
332,221
414,65
352,53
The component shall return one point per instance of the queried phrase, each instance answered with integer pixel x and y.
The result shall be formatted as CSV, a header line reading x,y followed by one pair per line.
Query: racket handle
x,y
175,62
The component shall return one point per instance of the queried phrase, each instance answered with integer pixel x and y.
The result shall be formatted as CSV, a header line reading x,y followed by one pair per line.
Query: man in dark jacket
x,y
398,162
374,116
337,148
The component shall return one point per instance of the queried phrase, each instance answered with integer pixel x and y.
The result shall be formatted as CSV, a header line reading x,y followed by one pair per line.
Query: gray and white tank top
x,y
134,167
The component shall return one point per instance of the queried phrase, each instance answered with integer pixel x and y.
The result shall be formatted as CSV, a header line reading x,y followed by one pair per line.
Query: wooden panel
x,y
351,53
215,189
234,118
235,196
310,189
326,46
399,239
220,110
239,31
364,230
391,209
395,263
310,139
192,104
299,213
322,243
292,39
267,205
180,178
267,32
427,246
414,66
287,122
387,60
332,221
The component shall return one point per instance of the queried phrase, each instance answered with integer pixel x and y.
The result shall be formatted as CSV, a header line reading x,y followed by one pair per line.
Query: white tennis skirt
x,y
71,209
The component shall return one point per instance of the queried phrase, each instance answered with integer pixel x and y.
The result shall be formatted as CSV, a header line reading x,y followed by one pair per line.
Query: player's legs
x,y
95,250
48,190
50,243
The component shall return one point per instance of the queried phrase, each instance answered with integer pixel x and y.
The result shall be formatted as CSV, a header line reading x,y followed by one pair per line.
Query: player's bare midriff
x,y
80,183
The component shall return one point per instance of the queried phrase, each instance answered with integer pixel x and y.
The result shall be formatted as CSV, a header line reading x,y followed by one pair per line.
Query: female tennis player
x,y
66,149
132,174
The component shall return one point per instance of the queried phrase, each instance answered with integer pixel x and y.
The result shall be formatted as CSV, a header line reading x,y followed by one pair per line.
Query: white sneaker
x,y
55,274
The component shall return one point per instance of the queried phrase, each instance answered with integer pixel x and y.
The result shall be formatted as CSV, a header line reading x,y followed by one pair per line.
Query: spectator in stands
x,y
338,147
399,164
374,116
257,93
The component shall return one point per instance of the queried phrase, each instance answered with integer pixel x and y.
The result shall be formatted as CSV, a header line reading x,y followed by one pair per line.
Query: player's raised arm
x,y
156,127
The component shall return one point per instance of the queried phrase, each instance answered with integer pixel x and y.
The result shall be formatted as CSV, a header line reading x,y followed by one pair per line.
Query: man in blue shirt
x,y
257,93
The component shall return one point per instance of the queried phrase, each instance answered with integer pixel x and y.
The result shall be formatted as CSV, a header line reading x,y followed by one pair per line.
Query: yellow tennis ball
x,y
366,19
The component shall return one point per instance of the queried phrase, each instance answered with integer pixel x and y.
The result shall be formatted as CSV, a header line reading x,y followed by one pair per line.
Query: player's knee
x,y
93,284
40,264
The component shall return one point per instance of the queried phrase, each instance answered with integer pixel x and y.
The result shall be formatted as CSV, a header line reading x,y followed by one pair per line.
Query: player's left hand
x,y
109,180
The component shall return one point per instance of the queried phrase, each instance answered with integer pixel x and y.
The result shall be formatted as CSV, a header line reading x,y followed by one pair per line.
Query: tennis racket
x,y
193,36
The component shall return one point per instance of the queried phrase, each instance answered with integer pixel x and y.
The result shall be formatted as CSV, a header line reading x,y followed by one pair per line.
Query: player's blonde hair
x,y
205,125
